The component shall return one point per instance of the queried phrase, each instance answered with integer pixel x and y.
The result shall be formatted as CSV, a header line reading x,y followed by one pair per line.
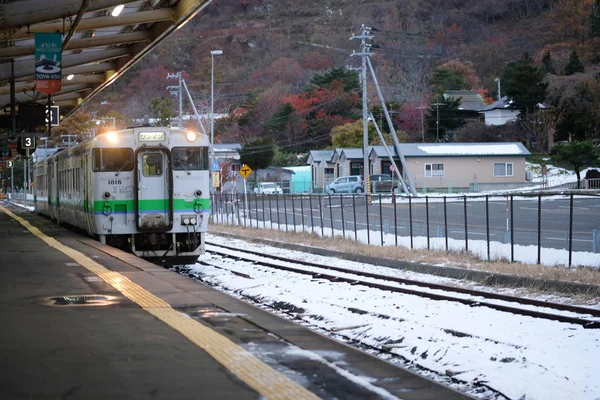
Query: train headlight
x,y
106,195
112,137
198,193
193,221
191,136
186,221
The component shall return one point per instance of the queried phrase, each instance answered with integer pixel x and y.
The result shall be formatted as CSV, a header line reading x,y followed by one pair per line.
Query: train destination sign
x,y
151,136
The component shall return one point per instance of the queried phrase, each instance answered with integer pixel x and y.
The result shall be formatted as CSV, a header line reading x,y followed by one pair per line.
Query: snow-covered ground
x,y
517,356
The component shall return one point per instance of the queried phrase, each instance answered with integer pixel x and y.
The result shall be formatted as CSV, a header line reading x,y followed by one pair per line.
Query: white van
x,y
268,188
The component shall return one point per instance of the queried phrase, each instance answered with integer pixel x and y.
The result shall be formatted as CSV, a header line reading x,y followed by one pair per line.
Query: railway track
x,y
473,298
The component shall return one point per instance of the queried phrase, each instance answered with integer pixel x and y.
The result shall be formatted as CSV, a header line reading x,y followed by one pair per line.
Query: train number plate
x,y
151,136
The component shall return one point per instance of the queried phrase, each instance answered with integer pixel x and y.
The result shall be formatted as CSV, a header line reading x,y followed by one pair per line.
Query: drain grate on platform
x,y
81,300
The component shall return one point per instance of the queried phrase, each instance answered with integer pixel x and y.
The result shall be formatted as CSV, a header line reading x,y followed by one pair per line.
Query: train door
x,y
154,190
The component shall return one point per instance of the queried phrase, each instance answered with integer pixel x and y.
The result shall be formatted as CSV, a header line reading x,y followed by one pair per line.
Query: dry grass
x,y
433,257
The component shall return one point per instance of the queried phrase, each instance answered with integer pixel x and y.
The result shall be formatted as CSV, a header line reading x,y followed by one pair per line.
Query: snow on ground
x,y
520,357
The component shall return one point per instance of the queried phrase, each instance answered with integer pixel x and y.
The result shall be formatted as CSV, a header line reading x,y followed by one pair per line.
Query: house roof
x,y
227,147
352,154
463,149
504,104
469,100
321,155
380,151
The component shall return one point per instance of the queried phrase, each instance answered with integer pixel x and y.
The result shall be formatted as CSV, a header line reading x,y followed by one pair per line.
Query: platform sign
x,y
216,179
10,163
245,171
48,62
52,115
215,165
28,142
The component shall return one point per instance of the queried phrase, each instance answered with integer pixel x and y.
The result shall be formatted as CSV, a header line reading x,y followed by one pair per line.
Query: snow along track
x,y
473,298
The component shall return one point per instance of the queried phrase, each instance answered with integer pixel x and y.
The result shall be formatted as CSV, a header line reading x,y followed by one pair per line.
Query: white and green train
x,y
143,189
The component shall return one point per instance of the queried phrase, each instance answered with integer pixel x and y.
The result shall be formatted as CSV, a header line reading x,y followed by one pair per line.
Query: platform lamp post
x,y
213,53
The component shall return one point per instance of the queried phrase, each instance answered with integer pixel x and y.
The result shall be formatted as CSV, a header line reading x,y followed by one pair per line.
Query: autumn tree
x,y
80,124
466,69
574,66
577,154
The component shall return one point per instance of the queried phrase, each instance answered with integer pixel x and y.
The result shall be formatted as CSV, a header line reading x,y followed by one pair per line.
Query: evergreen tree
x,y
524,83
595,17
349,78
576,154
449,119
547,66
574,66
258,154
446,79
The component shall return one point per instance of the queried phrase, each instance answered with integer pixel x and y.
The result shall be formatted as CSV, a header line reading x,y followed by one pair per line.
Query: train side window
x,y
189,158
112,160
152,164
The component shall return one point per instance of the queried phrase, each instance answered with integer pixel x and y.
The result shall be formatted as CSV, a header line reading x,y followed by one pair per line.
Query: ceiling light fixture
x,y
71,76
117,10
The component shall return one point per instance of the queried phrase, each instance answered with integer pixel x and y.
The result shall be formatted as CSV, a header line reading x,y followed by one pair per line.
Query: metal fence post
x,y
331,216
571,229
277,208
368,224
285,214
427,218
539,230
321,200
381,218
487,224
512,231
395,224
312,222
270,213
411,222
445,223
342,216
354,210
596,241
466,227
302,211
293,212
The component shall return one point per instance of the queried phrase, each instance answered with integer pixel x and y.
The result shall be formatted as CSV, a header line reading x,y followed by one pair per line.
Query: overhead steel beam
x,y
84,6
22,13
77,44
142,17
24,68
22,97
95,78
79,70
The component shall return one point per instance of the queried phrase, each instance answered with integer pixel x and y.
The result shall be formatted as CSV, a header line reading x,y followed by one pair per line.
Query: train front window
x,y
190,158
113,160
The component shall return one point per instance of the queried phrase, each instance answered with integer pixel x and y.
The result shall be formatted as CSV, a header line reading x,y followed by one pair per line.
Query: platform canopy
x,y
97,46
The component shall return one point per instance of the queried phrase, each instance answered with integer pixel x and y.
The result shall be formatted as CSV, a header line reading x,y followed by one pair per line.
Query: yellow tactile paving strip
x,y
256,374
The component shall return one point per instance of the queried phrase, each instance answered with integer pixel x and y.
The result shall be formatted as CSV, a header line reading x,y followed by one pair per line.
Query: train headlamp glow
x,y
193,221
191,136
112,137
186,221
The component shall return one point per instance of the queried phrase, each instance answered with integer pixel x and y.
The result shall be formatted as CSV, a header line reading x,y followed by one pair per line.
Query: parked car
x,y
345,184
383,183
268,188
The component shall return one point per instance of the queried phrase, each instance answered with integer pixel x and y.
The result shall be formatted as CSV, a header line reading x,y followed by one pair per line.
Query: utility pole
x,y
421,107
437,105
178,91
498,81
364,53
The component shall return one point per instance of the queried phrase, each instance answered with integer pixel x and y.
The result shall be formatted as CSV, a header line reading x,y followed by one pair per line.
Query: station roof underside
x,y
97,46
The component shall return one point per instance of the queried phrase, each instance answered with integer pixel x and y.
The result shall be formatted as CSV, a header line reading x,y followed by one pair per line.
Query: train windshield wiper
x,y
122,166
182,166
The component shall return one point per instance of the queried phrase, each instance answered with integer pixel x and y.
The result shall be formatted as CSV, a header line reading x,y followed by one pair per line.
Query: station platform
x,y
82,320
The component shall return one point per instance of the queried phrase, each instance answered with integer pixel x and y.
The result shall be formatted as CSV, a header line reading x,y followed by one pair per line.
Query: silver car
x,y
345,184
